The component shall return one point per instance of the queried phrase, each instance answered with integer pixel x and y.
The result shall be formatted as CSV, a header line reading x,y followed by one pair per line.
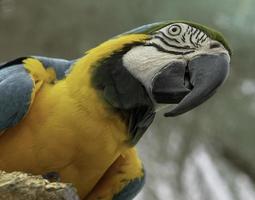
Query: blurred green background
x,y
206,154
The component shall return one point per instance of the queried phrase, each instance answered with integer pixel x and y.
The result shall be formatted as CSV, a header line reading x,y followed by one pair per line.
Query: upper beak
x,y
205,73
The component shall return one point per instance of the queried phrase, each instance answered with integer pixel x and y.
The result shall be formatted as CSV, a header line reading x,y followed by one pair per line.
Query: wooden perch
x,y
22,186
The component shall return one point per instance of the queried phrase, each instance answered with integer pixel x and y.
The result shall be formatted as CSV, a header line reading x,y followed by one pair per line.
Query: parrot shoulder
x,y
20,80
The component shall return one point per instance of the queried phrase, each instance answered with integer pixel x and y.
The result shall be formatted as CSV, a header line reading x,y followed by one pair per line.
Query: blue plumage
x,y
131,189
16,87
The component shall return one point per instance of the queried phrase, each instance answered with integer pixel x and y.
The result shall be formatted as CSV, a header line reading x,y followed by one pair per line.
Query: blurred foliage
x,y
221,131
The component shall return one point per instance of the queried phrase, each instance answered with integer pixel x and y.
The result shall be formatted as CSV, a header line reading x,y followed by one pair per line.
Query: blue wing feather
x,y
16,87
131,189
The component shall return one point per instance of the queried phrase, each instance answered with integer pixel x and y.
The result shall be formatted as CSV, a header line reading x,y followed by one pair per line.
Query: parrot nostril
x,y
215,45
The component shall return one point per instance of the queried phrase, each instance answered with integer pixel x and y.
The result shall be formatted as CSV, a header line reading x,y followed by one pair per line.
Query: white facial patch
x,y
144,62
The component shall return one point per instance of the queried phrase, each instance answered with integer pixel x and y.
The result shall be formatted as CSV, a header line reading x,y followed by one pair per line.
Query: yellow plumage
x,y
70,129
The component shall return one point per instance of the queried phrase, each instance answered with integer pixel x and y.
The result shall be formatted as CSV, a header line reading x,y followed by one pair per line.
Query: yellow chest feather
x,y
58,134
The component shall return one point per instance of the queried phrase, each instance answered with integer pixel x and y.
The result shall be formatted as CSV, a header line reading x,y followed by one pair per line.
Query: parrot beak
x,y
189,85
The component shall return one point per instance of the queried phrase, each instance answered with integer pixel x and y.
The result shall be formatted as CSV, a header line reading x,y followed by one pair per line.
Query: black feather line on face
x,y
159,48
171,45
183,37
169,38
198,34
191,40
204,36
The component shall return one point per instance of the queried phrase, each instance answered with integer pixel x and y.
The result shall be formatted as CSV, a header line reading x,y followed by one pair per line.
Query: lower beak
x,y
204,75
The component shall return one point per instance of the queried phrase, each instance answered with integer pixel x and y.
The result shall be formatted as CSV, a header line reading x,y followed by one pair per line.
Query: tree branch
x,y
22,186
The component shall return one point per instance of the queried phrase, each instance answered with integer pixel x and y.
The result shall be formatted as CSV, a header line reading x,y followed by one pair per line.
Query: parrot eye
x,y
174,30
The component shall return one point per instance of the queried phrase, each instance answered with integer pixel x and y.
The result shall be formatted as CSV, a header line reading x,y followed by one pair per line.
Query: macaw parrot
x,y
80,119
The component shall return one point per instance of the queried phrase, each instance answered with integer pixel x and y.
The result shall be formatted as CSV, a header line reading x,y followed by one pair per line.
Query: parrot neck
x,y
101,76
80,74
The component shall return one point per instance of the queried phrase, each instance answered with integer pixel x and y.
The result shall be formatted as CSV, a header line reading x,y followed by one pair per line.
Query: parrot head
x,y
156,65
180,63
